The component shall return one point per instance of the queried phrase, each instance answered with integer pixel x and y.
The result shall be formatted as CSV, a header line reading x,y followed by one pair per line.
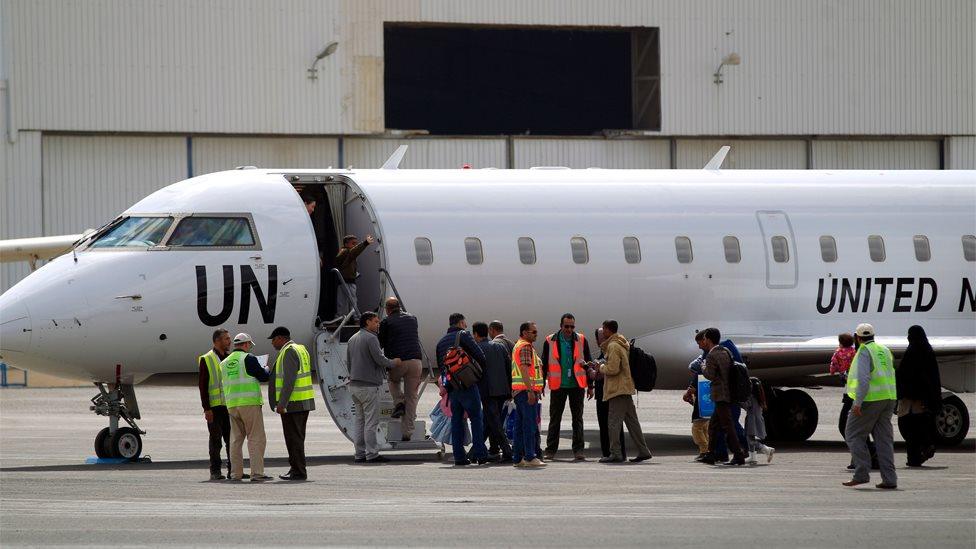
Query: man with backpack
x,y
461,361
719,366
618,392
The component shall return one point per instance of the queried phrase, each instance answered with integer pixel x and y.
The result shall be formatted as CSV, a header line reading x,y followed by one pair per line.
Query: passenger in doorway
x,y
241,375
212,398
527,386
346,263
597,383
699,424
290,394
871,384
618,392
495,387
463,400
564,354
367,369
919,388
309,199
840,363
718,363
400,339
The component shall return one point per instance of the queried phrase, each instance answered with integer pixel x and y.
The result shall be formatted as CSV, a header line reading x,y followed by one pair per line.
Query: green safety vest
x,y
240,388
214,388
303,383
882,385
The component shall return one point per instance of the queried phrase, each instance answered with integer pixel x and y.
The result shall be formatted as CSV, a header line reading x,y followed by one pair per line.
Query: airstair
x,y
333,374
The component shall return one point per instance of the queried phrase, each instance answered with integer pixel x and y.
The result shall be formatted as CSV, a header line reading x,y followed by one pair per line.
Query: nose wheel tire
x,y
126,443
103,439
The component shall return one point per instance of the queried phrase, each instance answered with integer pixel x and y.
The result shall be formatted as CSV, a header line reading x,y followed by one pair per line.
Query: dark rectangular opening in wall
x,y
552,81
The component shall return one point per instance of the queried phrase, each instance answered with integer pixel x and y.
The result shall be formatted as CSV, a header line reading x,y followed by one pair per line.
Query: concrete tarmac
x,y
49,497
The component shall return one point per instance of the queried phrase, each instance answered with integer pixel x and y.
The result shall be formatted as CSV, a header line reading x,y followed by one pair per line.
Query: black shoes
x,y
378,459
398,411
360,460
462,463
884,486
639,459
290,476
708,459
261,478
701,456
217,476
737,460
611,459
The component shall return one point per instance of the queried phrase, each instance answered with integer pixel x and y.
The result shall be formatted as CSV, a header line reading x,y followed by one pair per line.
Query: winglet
x,y
716,162
393,162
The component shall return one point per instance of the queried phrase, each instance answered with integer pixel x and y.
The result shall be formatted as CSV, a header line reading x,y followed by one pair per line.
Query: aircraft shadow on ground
x,y
660,445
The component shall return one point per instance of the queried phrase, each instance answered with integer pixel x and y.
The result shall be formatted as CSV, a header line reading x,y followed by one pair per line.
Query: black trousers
x,y
918,430
602,413
722,420
557,404
219,430
494,430
293,424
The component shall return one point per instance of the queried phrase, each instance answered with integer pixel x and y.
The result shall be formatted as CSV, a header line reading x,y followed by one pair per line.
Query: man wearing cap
x,y
290,394
871,385
212,398
240,375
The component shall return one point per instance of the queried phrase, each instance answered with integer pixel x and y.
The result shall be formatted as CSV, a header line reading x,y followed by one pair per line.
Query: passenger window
x,y
526,247
682,247
876,248
135,232
732,252
828,249
197,232
781,249
632,250
969,247
581,254
425,252
922,250
473,250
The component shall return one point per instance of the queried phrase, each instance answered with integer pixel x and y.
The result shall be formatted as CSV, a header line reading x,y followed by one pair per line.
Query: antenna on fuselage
x,y
393,162
715,163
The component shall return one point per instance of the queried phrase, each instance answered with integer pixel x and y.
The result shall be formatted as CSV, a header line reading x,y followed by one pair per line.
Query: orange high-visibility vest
x,y
534,383
556,370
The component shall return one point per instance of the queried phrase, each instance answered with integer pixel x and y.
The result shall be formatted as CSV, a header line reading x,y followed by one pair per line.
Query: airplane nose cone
x,y
15,327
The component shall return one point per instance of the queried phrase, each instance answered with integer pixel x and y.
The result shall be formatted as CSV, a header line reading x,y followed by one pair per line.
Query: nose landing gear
x,y
114,441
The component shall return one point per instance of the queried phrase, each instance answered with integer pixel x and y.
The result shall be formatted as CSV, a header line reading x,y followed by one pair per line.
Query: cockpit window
x,y
135,232
212,232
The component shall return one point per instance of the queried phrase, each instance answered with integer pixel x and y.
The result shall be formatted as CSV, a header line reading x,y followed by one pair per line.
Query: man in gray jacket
x,y
290,394
367,370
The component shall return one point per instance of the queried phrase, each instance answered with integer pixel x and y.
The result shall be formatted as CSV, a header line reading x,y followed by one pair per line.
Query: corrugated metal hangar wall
x,y
105,101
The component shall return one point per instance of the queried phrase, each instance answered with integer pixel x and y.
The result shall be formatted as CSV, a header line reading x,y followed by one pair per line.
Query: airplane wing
x,y
42,247
785,360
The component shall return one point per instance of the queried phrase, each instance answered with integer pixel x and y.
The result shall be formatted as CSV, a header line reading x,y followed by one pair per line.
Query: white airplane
x,y
780,261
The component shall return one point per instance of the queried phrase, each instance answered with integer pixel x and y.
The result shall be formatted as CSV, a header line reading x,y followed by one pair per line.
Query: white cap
x,y
242,338
864,330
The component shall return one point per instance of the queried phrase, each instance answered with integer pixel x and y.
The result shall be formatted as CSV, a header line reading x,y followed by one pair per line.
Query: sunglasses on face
x,y
570,326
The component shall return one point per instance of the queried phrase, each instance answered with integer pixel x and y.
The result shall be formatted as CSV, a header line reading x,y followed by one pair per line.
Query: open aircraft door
x,y
780,246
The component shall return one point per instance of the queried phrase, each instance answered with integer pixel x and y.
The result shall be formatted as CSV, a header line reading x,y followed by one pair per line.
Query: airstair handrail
x,y
345,288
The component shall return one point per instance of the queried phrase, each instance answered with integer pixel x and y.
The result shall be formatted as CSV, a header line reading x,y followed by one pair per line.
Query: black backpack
x,y
740,388
643,368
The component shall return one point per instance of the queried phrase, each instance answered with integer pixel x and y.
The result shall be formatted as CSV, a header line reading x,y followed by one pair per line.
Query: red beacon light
x,y
465,166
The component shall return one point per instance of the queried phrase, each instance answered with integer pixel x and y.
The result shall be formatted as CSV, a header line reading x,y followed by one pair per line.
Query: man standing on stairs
x,y
400,339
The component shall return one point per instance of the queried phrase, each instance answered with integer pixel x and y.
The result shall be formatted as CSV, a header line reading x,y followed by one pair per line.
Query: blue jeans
x,y
526,430
721,448
467,400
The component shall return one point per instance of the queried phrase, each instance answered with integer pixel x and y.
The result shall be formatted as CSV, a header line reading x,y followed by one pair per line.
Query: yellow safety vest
x,y
303,383
240,387
535,370
882,384
214,387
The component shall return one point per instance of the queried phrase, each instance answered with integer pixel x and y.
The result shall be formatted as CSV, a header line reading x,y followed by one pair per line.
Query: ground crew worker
x,y
240,375
212,399
871,385
527,388
564,353
290,394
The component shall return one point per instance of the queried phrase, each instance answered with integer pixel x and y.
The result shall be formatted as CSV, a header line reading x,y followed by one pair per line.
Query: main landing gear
x,y
114,441
792,414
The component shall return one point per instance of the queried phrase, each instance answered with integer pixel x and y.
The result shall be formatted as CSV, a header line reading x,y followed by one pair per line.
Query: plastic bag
x,y
440,426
